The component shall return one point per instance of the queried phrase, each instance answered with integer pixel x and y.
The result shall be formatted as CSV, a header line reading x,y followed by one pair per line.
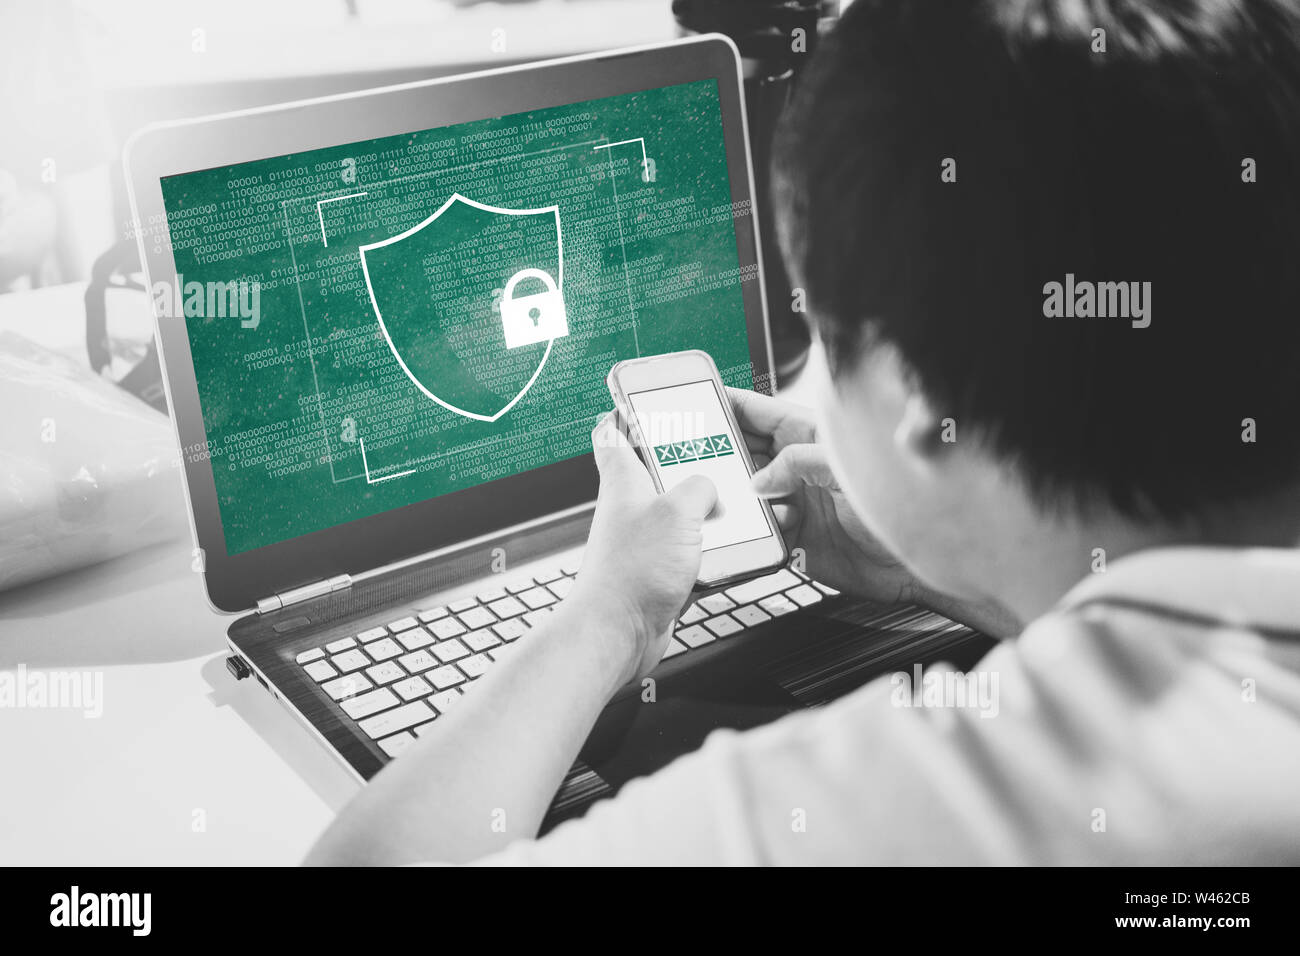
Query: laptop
x,y
387,502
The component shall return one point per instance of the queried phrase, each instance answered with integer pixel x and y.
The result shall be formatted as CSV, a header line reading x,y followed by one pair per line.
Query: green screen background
x,y
649,267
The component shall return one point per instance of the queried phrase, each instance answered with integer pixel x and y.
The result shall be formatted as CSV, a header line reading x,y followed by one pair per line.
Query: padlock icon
x,y
534,318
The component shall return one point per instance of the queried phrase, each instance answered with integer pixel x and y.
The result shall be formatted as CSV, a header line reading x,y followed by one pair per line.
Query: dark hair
x,y
1124,165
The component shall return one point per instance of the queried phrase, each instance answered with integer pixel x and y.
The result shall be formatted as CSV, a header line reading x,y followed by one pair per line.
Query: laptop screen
x,y
380,323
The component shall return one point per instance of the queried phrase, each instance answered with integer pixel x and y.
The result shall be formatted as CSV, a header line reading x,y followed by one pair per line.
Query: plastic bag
x,y
87,472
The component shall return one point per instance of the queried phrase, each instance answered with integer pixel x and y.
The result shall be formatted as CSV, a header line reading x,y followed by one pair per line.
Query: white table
x,y
179,740
177,734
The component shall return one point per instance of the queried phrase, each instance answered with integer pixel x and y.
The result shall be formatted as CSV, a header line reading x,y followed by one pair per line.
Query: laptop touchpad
x,y
635,737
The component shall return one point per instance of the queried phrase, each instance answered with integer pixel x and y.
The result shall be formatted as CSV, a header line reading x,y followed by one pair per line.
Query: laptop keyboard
x,y
394,680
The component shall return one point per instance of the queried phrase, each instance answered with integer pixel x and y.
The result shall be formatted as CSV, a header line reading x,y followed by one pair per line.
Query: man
x,y
1050,249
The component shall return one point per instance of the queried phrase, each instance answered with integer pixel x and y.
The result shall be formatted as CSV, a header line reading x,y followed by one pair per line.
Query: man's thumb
x,y
794,467
696,497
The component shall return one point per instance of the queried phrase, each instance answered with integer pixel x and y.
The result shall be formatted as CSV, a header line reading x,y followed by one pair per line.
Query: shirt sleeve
x,y
1114,739
691,813
856,781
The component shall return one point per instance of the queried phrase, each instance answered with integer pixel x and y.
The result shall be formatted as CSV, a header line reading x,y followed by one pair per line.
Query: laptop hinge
x,y
304,593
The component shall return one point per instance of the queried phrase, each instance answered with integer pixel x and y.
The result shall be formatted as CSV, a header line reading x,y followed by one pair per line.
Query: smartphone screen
x,y
686,431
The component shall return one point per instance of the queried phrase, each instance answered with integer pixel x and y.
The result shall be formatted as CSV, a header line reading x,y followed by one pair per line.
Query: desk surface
x,y
179,741
185,766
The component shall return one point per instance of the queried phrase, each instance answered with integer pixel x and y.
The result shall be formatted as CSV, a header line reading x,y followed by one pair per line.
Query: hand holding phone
x,y
682,424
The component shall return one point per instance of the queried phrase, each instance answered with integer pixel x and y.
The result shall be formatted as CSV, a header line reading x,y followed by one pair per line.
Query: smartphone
x,y
681,422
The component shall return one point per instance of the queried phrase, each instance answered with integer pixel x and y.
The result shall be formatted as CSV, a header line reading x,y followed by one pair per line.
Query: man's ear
x,y
923,435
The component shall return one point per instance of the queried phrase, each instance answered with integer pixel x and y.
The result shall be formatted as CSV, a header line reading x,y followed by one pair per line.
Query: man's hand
x,y
643,554
813,512
507,745
815,516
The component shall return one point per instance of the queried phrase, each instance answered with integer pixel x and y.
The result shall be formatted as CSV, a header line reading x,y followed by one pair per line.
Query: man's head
x,y
944,164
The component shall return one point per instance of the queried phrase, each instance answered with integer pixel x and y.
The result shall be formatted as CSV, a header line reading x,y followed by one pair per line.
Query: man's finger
x,y
616,459
758,444
787,516
764,415
696,496
796,467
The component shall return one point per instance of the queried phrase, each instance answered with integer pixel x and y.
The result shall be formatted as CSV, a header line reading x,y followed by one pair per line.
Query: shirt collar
x,y
1256,588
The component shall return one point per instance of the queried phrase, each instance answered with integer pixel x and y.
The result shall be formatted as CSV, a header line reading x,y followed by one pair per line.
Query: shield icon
x,y
436,290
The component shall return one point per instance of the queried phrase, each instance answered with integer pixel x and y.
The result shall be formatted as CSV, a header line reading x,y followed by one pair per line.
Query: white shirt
x,y
1153,717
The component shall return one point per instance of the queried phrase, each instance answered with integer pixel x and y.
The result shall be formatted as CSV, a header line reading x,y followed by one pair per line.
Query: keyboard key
x,y
546,577
804,595
716,603
674,648
695,635
371,703
751,591
445,699
385,673
336,647
349,685
537,598
534,618
477,617
778,604
511,629
561,587
481,640
412,687
374,634
515,587
691,615
421,729
400,718
447,627
445,677
507,607
750,614
350,661
570,569
397,743
464,604
475,666
415,639
448,651
306,657
418,661
320,671
490,595
497,653
826,589
432,614
723,624
405,624
383,650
